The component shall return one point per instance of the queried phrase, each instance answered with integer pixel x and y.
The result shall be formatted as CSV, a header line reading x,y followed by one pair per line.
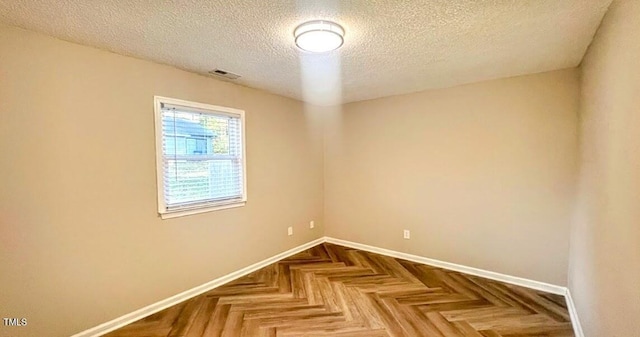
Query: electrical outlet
x,y
290,231
312,224
407,234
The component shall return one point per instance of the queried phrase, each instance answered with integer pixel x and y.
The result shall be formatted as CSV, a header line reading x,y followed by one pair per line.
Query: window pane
x,y
202,157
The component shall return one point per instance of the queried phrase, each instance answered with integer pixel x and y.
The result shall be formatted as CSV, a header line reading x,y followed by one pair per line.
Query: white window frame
x,y
203,108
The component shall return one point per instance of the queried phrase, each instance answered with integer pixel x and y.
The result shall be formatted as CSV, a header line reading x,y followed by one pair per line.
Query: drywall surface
x,y
81,242
604,274
482,175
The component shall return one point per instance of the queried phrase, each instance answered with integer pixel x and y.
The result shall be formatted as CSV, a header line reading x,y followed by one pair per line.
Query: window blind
x,y
202,157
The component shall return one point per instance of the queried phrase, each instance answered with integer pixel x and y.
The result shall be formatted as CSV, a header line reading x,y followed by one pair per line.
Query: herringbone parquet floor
x,y
331,290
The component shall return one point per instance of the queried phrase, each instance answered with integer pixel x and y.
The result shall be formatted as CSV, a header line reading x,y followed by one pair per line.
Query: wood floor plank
x,y
202,319
445,327
187,316
216,323
466,329
233,324
388,319
330,290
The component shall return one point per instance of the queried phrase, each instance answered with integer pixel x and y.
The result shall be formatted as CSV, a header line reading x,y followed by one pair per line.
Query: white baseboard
x,y
163,304
546,287
173,300
573,313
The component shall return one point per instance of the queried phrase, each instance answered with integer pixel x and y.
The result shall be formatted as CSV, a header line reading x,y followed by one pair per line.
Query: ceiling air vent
x,y
224,73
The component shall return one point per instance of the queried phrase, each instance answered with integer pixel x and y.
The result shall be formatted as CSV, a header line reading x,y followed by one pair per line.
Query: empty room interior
x,y
320,168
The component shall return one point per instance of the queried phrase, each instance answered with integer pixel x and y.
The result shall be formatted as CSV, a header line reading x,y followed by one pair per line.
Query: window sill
x,y
186,212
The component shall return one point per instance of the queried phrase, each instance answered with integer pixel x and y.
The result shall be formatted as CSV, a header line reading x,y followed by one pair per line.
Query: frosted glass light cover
x,y
319,36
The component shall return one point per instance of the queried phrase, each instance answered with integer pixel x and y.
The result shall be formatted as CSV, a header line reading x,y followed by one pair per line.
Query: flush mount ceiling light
x,y
319,36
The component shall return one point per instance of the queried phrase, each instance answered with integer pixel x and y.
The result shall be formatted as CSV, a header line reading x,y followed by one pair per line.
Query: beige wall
x,y
604,274
483,174
81,241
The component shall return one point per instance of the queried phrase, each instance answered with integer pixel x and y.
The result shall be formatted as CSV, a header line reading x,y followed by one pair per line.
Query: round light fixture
x,y
319,36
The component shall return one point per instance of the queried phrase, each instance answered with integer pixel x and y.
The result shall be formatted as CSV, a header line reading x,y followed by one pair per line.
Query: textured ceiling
x,y
391,47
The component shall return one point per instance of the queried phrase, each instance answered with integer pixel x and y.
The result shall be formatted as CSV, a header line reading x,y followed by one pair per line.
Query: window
x,y
200,157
